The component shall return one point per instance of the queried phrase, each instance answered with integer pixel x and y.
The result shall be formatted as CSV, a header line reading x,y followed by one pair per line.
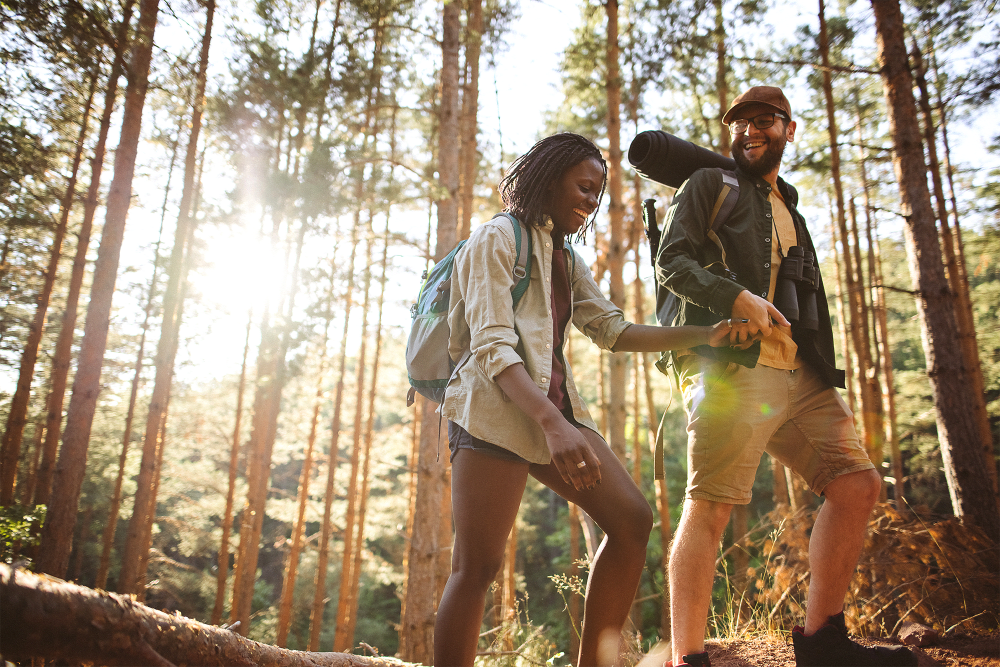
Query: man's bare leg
x,y
691,571
837,539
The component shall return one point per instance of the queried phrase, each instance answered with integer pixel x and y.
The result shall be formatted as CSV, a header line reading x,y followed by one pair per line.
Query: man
x,y
772,390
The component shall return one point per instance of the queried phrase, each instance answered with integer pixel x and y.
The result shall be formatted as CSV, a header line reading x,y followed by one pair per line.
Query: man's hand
x,y
759,314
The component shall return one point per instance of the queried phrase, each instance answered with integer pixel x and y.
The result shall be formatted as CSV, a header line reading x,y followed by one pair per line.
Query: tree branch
x,y
805,63
46,618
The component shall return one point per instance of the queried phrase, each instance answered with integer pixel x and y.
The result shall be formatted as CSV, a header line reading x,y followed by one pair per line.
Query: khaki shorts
x,y
737,413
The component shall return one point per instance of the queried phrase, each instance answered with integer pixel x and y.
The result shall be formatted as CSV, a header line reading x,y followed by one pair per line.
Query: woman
x,y
514,410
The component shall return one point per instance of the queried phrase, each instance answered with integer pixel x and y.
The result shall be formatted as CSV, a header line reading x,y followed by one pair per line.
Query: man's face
x,y
758,152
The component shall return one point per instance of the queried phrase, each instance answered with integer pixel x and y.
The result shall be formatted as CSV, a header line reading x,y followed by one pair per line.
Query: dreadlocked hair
x,y
525,189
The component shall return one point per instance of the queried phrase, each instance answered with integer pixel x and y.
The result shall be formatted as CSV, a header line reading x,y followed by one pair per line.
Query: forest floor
x,y
956,650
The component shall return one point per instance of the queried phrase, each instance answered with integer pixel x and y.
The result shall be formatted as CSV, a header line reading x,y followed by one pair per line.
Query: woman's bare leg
x,y
485,495
623,513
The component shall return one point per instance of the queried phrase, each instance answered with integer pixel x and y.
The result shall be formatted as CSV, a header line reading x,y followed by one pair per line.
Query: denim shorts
x,y
735,414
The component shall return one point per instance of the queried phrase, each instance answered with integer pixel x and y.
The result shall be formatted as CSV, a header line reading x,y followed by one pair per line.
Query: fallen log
x,y
46,618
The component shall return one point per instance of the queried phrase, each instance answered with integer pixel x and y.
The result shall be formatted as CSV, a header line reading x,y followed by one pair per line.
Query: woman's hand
x,y
572,455
566,444
718,333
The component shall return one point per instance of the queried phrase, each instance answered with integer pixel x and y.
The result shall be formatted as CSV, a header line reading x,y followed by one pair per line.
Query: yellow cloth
x,y
779,350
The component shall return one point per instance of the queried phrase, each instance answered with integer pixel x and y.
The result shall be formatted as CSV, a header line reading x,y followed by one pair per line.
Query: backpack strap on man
x,y
724,205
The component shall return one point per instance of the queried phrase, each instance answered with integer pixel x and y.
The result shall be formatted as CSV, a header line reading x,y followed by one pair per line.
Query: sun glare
x,y
241,270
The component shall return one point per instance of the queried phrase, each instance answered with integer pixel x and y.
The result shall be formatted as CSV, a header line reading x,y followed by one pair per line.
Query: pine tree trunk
x,y
956,275
58,530
721,86
44,620
333,458
852,273
425,548
961,450
369,438
108,537
140,528
469,155
874,416
64,344
222,563
344,603
617,371
298,531
845,340
882,347
271,371
17,416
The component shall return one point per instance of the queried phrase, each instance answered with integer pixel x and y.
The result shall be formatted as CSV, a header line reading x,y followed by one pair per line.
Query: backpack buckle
x,y
413,310
519,272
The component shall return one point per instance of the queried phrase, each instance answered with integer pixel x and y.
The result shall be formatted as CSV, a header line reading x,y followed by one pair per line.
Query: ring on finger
x,y
581,464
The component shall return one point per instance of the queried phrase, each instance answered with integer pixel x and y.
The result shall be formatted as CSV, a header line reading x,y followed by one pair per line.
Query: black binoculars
x,y
795,291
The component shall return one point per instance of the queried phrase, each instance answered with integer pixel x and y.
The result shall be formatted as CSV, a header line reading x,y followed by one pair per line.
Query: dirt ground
x,y
955,650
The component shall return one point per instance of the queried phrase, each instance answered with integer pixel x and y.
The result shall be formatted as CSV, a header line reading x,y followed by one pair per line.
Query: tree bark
x,y
961,450
108,538
469,154
345,605
47,619
298,531
417,623
222,562
58,530
369,438
956,275
617,371
64,344
17,417
333,458
852,273
140,527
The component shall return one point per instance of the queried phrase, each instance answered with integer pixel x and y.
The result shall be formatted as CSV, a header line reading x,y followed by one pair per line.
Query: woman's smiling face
x,y
574,196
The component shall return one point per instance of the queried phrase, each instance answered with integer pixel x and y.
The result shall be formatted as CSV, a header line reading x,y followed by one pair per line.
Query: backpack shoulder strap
x,y
726,201
724,205
522,246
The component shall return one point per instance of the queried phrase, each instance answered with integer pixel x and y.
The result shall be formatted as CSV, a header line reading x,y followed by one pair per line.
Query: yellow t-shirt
x,y
779,350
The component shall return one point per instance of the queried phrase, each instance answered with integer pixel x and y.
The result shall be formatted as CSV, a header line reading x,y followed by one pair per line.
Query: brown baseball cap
x,y
769,95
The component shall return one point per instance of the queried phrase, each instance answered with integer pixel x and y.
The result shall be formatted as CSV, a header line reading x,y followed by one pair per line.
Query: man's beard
x,y
766,163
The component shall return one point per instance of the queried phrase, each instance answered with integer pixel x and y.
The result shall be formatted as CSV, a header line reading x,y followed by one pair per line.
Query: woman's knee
x,y
632,522
478,572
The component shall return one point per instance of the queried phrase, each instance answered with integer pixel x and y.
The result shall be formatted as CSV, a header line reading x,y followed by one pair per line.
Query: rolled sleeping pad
x,y
664,158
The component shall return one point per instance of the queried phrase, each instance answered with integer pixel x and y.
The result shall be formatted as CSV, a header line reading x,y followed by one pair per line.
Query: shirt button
x,y
548,245
767,240
767,265
548,346
768,214
764,294
544,380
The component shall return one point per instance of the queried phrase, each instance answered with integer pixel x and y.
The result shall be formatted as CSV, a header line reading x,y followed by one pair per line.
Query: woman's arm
x,y
566,444
644,338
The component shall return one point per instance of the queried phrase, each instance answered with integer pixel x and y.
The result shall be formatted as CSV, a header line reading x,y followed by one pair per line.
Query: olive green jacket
x,y
691,266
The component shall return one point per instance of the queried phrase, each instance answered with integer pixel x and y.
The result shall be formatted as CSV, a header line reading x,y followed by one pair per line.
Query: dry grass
x,y
939,573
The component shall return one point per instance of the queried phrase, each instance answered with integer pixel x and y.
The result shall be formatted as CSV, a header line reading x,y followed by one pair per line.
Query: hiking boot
x,y
693,660
831,647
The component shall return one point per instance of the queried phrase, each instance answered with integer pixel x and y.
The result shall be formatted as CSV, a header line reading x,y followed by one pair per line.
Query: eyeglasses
x,y
760,121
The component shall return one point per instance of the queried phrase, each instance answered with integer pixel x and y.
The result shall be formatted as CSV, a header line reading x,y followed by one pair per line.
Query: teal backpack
x,y
428,364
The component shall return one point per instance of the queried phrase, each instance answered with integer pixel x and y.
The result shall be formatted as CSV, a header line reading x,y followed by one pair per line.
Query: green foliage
x,y
19,530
